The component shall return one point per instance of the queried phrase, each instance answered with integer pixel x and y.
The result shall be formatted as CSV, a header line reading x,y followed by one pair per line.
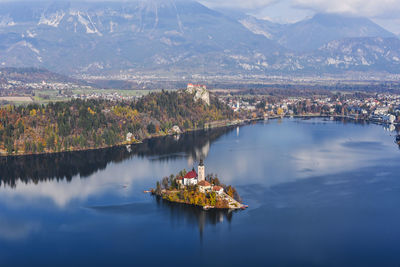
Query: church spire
x,y
201,171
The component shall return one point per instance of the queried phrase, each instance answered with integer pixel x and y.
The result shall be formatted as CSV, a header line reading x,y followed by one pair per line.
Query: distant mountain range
x,y
168,37
34,75
311,34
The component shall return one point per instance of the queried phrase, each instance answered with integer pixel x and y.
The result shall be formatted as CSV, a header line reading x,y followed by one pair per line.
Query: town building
x,y
198,178
176,129
179,180
204,186
129,137
190,178
218,189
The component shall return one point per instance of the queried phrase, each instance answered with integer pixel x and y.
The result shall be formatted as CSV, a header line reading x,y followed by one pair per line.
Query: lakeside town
x,y
381,108
263,100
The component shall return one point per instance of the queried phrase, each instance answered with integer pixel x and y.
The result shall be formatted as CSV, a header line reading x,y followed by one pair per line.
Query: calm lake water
x,y
320,193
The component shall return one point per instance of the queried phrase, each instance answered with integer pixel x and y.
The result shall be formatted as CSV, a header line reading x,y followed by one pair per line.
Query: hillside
x,y
35,75
324,28
359,54
80,125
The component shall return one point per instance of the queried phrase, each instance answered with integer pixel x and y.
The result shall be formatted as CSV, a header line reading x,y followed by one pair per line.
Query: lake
x,y
320,193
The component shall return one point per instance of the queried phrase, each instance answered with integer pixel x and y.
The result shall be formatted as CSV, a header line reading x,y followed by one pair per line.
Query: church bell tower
x,y
201,171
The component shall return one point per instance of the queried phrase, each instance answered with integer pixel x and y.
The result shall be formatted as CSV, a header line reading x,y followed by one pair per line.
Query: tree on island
x,y
151,128
165,182
158,188
213,198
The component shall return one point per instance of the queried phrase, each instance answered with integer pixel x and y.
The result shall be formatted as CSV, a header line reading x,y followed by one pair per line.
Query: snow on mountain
x,y
52,20
184,37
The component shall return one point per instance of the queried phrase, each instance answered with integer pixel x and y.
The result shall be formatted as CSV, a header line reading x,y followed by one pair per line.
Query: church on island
x,y
198,178
192,177
192,188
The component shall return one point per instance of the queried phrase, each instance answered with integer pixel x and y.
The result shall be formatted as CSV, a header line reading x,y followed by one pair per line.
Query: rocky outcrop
x,y
199,92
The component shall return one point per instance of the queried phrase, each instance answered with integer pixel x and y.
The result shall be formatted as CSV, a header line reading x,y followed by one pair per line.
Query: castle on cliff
x,y
199,91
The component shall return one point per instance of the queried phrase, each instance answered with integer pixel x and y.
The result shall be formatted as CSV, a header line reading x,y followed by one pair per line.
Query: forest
x,y
90,124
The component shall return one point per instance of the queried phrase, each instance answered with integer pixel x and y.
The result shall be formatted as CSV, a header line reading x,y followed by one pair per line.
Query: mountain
x,y
167,35
310,34
262,27
367,54
177,38
355,54
34,75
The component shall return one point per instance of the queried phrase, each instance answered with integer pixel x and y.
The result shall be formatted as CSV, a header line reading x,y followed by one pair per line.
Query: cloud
x,y
16,230
239,4
367,8
118,179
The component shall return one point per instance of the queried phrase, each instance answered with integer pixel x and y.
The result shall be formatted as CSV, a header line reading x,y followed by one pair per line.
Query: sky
x,y
384,12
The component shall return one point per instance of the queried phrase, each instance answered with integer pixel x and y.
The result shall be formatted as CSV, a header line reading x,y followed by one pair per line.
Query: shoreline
x,y
205,208
209,126
377,122
216,124
230,202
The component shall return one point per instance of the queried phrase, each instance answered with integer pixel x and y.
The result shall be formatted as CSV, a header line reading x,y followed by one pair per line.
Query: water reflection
x,y
185,214
39,168
398,140
16,230
313,188
345,152
177,214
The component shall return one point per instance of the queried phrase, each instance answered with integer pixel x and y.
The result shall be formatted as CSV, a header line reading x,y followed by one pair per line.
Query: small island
x,y
197,189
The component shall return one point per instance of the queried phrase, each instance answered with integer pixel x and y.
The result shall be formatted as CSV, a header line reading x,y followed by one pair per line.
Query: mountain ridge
x,y
316,31
181,38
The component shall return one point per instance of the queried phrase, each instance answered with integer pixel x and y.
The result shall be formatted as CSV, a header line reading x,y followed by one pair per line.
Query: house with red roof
x,y
190,178
218,189
193,178
204,186
179,180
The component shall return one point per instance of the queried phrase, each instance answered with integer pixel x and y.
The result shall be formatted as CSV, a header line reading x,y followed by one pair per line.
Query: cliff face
x,y
200,92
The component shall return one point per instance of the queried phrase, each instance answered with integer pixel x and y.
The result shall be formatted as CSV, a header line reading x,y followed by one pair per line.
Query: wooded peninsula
x,y
91,124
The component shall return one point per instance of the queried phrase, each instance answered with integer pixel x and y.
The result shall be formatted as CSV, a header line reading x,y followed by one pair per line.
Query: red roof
x,y
191,175
217,188
195,85
204,183
179,178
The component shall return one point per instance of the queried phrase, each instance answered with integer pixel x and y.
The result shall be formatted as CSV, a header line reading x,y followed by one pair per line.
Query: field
x,y
16,98
46,96
111,91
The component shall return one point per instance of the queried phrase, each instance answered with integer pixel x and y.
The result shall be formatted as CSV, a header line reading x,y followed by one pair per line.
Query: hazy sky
x,y
384,12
